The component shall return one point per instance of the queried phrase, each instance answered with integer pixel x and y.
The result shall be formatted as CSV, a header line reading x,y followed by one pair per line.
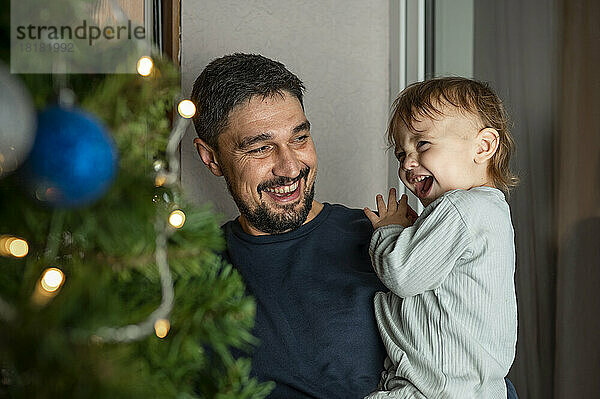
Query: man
x,y
305,263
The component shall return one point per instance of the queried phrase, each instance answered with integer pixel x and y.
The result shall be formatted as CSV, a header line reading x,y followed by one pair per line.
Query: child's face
x,y
438,156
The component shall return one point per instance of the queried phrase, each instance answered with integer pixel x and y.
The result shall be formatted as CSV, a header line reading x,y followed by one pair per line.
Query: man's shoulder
x,y
350,220
351,212
228,224
348,214
227,227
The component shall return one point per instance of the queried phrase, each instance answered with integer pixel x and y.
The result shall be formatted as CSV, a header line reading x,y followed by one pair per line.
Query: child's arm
x,y
414,259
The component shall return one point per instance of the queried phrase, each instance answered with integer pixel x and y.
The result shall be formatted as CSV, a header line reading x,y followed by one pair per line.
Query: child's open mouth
x,y
423,186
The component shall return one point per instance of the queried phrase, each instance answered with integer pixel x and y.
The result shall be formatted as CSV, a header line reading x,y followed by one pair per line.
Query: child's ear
x,y
488,141
208,156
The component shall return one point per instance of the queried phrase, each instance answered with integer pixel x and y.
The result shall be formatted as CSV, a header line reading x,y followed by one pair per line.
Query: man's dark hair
x,y
229,81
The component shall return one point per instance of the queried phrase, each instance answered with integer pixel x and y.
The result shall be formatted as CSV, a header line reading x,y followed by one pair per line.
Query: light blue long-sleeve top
x,y
449,322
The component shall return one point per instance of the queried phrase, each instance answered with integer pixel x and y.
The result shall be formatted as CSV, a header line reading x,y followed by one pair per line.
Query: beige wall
x,y
339,48
454,35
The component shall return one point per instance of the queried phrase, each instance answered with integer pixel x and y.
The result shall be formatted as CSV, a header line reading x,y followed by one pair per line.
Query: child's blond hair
x,y
427,99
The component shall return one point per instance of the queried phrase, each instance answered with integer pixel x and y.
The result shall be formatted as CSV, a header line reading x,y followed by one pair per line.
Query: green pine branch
x,y
106,251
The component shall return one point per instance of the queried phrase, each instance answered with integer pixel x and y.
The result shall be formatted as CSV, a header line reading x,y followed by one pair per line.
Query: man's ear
x,y
488,141
208,156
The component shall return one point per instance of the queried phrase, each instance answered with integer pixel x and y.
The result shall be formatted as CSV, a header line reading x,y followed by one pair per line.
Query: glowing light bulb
x,y
145,65
158,165
160,180
186,109
177,218
52,279
18,248
161,327
13,246
5,245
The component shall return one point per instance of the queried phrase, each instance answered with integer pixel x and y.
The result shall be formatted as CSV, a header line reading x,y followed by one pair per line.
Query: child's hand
x,y
397,212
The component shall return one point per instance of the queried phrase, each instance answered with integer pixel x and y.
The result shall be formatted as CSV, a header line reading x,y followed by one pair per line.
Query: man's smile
x,y
284,190
285,194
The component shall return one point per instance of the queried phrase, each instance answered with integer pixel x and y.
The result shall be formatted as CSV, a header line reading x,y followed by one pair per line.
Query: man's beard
x,y
266,220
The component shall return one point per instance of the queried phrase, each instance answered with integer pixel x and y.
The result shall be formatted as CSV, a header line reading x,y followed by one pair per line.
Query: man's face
x,y
268,159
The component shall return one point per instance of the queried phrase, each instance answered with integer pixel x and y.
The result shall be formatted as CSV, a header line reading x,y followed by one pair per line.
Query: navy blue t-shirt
x,y
314,290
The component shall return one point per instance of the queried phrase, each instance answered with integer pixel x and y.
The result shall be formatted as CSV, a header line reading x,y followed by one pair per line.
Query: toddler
x,y
449,321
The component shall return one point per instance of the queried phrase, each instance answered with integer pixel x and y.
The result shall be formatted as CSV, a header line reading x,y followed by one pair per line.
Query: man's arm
x,y
511,392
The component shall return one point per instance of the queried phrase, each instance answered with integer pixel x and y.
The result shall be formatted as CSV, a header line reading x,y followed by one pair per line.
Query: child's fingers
x,y
371,216
403,203
411,214
381,208
392,203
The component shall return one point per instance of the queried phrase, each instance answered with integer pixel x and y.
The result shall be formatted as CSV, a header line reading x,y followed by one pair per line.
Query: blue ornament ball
x,y
73,160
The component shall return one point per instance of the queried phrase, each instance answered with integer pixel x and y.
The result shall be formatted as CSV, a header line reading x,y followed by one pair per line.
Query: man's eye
x,y
422,143
400,156
302,138
259,150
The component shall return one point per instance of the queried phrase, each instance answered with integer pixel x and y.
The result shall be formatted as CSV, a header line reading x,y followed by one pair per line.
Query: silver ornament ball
x,y
17,122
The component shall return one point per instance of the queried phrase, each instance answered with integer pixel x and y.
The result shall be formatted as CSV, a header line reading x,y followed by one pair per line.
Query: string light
x,y
186,109
52,279
145,65
166,177
158,165
160,180
19,248
13,246
5,245
177,218
161,327
48,286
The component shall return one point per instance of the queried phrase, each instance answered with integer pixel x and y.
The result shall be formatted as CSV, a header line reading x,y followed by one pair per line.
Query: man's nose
x,y
410,162
287,163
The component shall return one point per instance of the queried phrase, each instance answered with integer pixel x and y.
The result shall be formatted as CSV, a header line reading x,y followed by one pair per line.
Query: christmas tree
x,y
111,283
